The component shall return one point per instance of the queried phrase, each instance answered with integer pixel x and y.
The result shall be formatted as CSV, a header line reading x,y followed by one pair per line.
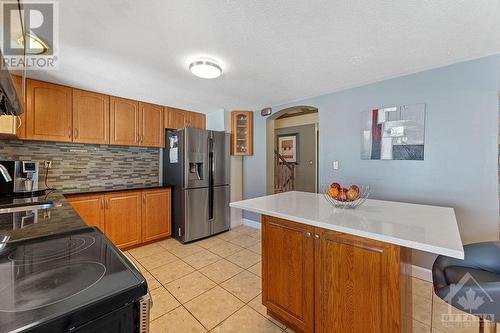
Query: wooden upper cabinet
x,y
124,121
175,118
18,85
49,112
156,222
357,284
242,133
123,218
288,271
196,120
90,117
90,208
152,129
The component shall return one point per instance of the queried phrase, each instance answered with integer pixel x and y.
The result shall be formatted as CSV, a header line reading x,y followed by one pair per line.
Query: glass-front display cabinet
x,y
242,133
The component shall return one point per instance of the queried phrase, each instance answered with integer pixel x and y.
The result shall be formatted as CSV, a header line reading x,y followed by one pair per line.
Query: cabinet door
x,y
175,118
357,284
151,125
288,271
18,85
124,122
156,216
242,133
123,218
90,117
90,208
49,112
196,120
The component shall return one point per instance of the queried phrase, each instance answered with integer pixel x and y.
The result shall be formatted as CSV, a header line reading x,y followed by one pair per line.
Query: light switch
x,y
335,165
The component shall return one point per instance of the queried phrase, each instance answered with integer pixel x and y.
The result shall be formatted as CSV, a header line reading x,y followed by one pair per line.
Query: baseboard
x,y
421,273
251,223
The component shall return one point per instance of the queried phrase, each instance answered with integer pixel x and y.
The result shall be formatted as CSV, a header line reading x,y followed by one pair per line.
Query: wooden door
x,y
90,208
156,214
49,112
123,218
197,120
90,117
175,118
21,126
152,129
288,272
357,284
124,122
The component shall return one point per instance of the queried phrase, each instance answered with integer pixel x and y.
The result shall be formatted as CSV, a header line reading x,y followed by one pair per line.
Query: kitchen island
x,y
341,270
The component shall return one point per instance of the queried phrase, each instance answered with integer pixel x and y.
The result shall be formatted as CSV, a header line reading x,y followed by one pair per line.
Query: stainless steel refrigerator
x,y
197,163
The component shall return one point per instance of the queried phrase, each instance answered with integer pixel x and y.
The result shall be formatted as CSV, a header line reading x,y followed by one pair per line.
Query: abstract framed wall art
x,y
288,147
394,133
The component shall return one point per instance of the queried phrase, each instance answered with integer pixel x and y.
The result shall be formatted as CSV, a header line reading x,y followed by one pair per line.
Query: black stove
x,y
76,281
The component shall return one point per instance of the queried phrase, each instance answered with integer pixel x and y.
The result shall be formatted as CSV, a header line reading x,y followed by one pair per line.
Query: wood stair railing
x,y
284,174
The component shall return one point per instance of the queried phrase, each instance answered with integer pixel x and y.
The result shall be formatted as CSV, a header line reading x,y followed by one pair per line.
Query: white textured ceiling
x,y
271,51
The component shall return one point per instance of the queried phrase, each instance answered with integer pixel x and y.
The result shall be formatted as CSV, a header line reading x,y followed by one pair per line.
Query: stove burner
x,y
51,250
50,286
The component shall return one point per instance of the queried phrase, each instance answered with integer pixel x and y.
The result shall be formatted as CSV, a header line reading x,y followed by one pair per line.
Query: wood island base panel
x,y
318,280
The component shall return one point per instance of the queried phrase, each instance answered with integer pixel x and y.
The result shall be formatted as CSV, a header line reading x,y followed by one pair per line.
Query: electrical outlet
x,y
335,165
47,164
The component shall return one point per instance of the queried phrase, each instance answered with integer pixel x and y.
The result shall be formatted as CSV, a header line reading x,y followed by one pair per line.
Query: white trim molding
x,y
252,223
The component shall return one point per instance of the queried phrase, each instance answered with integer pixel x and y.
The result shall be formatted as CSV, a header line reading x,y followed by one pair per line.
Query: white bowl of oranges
x,y
346,197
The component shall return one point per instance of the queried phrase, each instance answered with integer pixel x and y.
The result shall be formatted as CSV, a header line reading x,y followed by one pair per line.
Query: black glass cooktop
x,y
64,277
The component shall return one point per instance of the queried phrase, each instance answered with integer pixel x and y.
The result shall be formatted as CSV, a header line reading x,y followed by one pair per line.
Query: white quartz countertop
x,y
427,228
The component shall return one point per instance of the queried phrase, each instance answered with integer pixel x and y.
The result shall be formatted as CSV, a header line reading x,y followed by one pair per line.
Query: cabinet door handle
x,y
316,236
308,234
70,132
138,138
102,203
142,138
76,133
107,203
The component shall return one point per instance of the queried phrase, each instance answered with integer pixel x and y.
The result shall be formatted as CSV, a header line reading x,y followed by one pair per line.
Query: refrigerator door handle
x,y
211,178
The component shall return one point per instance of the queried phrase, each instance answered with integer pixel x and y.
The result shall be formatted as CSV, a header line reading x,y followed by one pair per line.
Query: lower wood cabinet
x,y
316,280
127,218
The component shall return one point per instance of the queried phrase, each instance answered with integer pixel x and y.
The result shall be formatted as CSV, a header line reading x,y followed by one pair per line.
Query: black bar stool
x,y
473,284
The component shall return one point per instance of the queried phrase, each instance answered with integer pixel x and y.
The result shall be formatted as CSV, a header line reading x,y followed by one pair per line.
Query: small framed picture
x,y
288,147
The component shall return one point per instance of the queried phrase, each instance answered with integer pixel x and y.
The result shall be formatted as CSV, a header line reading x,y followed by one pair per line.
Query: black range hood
x,y
9,101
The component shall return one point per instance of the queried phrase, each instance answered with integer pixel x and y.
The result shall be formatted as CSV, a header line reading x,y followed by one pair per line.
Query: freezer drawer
x,y
221,215
196,214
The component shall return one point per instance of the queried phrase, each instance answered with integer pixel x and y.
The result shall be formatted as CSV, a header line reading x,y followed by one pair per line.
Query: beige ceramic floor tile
x,y
163,302
177,321
422,309
152,282
468,323
202,259
243,229
146,250
257,248
247,320
221,270
169,243
256,304
245,286
157,260
186,250
213,307
171,271
210,242
421,288
244,258
228,235
244,241
256,233
136,263
226,249
419,327
190,286
256,269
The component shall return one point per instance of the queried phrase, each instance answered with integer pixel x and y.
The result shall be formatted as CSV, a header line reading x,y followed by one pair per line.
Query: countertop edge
x,y
379,237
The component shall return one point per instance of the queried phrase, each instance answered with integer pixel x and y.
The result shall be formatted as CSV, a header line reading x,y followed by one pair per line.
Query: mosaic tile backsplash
x,y
76,166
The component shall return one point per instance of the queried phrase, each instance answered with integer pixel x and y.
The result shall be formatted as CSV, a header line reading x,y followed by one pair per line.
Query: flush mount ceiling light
x,y
205,68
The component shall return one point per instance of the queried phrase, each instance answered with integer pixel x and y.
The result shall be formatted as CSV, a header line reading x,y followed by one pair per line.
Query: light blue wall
x,y
461,145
